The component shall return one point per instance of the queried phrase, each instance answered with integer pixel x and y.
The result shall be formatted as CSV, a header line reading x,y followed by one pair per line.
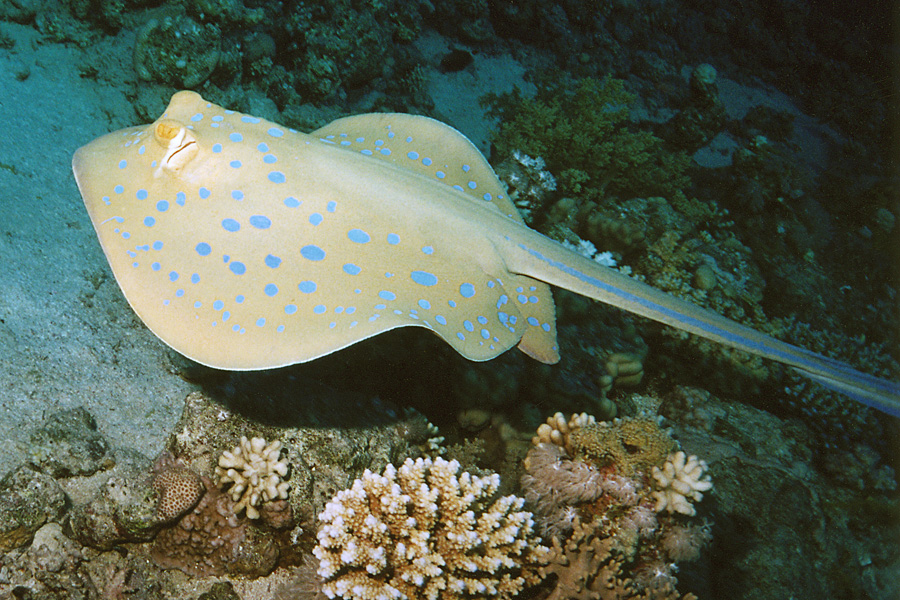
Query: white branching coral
x,y
426,531
681,480
256,472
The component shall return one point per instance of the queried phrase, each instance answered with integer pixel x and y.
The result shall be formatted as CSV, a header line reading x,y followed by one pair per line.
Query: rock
x,y
69,444
123,509
177,51
28,500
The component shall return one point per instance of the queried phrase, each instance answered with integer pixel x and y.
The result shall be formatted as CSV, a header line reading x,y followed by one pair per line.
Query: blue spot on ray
x,y
423,278
260,221
312,252
358,235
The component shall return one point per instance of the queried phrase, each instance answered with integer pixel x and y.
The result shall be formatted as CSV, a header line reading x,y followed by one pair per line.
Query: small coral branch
x,y
682,479
256,472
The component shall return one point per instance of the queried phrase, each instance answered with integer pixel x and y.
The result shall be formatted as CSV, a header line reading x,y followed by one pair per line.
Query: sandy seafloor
x,y
67,336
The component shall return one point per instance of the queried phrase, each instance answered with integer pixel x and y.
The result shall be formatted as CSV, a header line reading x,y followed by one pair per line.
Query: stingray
x,y
244,244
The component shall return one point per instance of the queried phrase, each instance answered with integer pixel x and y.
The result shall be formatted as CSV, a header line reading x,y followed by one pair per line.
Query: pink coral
x,y
643,519
683,542
623,489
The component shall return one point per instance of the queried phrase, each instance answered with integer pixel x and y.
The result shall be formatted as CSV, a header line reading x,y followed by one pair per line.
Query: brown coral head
x,y
179,491
632,445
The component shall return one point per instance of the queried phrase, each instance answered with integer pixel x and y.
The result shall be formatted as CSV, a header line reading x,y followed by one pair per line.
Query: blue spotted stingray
x,y
247,245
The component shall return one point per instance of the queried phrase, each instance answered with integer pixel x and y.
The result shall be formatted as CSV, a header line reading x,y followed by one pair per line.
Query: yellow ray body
x,y
246,245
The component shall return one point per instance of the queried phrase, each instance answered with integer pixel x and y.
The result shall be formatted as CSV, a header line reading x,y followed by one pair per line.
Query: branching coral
x,y
682,479
426,531
256,472
589,566
582,134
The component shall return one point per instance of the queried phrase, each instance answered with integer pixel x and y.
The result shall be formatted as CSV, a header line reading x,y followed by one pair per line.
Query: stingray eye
x,y
180,144
167,130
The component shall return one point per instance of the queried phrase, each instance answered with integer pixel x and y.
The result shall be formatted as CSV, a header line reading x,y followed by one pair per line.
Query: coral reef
x,y
256,472
589,566
213,540
122,509
344,46
682,479
426,531
703,116
553,484
557,428
528,183
582,136
598,510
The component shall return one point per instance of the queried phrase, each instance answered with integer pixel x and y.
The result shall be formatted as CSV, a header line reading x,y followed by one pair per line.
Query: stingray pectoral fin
x,y
539,257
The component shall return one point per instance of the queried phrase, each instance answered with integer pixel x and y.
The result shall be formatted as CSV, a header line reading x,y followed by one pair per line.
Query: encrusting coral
x,y
256,472
682,479
632,445
426,531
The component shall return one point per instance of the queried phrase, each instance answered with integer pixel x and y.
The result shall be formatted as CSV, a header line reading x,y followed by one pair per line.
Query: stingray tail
x,y
539,257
